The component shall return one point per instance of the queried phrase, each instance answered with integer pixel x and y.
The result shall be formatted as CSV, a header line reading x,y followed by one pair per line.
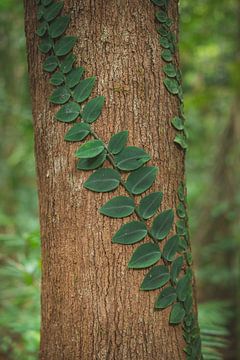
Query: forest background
x,y
210,60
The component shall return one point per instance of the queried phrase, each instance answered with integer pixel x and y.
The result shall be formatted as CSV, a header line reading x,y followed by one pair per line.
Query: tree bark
x,y
92,307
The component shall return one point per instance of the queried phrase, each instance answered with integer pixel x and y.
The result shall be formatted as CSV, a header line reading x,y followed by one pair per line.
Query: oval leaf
x,y
57,78
140,180
52,11
162,224
50,63
170,70
130,233
117,142
93,163
171,85
144,256
60,95
68,112
170,248
167,55
155,278
181,140
67,63
84,89
93,109
131,158
177,123
64,45
182,287
166,298
177,314
176,268
78,132
118,207
90,149
149,204
103,180
58,26
73,78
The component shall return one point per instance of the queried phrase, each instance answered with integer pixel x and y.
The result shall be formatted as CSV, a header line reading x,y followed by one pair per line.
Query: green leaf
x,y
64,45
164,42
180,139
177,314
103,180
169,22
177,123
176,268
90,149
84,89
166,298
50,63
68,112
181,211
117,142
182,287
181,192
142,179
170,248
93,109
57,78
78,132
144,256
149,204
46,2
182,245
162,224
52,11
155,278
160,2
169,70
161,16
167,55
45,45
181,227
131,158
171,85
40,12
60,95
93,163
58,26
163,30
67,63
130,233
118,207
73,78
41,30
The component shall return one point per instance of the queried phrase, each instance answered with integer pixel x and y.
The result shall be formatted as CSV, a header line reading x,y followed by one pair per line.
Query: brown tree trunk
x,y
91,304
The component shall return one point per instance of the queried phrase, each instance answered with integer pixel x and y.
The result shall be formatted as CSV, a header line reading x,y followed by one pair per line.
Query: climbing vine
x,y
72,93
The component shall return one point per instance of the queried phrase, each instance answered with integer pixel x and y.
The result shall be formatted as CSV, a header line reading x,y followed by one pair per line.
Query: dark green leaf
x,y
177,314
170,248
118,207
78,132
46,2
58,26
93,109
169,70
40,12
178,123
162,224
182,245
67,63
144,256
181,192
169,22
103,180
52,11
130,233
60,95
189,258
45,45
90,149
166,298
50,63
117,142
164,42
149,204
161,16
142,179
167,55
160,2
64,45
131,158
171,85
163,30
41,30
176,268
74,76
155,278
181,227
181,211
84,89
57,78
93,163
68,112
180,139
182,287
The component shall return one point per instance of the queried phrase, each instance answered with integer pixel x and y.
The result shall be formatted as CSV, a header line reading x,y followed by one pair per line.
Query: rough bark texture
x,y
92,307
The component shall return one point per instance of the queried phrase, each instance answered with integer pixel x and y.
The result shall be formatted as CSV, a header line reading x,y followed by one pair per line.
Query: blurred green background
x,y
210,54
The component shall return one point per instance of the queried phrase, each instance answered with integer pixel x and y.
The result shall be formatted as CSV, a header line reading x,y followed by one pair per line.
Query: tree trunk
x,y
91,304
